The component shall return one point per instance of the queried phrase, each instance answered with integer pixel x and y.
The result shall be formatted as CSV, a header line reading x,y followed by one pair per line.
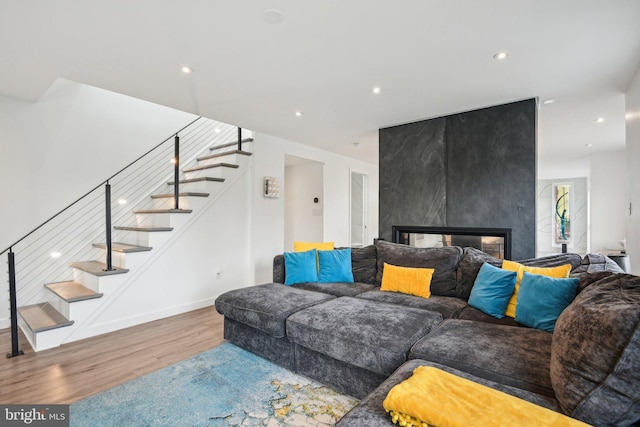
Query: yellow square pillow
x,y
559,272
307,246
413,281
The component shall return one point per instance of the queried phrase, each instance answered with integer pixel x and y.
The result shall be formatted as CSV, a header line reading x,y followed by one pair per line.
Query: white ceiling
x,y
430,57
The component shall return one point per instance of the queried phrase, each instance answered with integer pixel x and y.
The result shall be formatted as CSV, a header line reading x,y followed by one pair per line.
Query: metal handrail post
x,y
15,351
239,139
107,203
176,173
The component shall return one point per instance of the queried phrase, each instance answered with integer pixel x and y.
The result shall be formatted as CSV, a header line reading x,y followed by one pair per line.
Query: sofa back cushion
x,y
363,265
468,268
595,353
443,260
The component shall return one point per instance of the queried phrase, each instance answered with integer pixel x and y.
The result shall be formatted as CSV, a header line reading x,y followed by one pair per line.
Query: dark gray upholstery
x,y
266,307
337,289
468,268
371,335
518,357
370,412
342,376
553,261
471,313
363,265
595,353
443,260
278,350
446,306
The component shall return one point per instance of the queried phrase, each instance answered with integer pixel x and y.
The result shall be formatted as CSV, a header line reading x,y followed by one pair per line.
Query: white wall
x,y
633,162
608,200
268,214
55,150
303,217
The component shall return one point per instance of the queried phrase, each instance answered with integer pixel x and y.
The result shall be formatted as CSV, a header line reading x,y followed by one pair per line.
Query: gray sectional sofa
x,y
362,341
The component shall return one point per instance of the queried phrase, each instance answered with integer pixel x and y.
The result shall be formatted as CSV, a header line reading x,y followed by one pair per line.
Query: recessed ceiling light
x,y
599,120
588,145
122,201
272,16
56,254
298,113
376,90
548,101
187,70
500,55
217,130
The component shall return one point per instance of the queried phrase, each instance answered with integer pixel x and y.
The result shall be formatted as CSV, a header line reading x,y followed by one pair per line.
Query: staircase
x,y
70,304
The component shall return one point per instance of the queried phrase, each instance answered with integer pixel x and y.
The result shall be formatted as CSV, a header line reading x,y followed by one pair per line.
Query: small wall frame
x,y
271,187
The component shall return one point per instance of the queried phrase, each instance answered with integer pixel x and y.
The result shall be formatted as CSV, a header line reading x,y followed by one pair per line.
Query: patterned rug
x,y
225,386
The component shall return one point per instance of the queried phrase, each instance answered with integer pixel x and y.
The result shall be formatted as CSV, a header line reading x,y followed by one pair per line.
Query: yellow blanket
x,y
437,398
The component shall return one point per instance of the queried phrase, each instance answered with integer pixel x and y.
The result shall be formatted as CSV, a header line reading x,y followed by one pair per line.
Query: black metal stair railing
x,y
47,250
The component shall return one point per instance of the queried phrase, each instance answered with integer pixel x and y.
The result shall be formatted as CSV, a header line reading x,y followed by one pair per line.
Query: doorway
x,y
358,193
303,201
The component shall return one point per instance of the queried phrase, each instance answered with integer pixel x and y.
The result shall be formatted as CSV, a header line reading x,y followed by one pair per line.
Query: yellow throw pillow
x,y
559,272
307,246
413,281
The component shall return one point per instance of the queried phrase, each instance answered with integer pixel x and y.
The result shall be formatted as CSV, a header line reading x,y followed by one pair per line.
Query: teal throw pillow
x,y
335,266
300,267
492,289
542,299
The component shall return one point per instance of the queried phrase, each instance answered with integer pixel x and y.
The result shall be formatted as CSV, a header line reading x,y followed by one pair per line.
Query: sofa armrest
x,y
278,269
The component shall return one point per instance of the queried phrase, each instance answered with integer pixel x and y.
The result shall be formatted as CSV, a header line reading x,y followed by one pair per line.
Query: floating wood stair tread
x,y
230,144
187,194
97,268
43,317
202,178
139,228
124,248
72,291
226,153
215,165
162,211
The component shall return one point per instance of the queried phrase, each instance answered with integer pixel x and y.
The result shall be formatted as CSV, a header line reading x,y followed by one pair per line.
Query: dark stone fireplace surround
x,y
472,169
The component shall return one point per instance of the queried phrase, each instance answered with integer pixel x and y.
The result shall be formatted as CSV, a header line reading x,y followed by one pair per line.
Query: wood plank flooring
x,y
80,369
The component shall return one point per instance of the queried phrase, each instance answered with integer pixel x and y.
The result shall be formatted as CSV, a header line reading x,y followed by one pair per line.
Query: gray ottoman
x,y
356,337
254,318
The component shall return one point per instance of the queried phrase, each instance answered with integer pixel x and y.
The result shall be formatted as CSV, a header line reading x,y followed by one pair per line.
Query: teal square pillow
x,y
300,267
492,289
335,266
542,299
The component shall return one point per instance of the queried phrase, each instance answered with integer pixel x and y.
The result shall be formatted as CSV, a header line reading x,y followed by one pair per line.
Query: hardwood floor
x,y
76,370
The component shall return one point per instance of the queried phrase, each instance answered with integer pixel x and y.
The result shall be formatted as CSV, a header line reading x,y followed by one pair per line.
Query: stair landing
x,y
43,317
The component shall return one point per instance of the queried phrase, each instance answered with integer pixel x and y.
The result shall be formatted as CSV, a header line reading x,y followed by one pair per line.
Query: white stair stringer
x,y
117,310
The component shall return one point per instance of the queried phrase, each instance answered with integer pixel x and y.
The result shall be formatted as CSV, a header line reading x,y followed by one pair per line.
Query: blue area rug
x,y
225,386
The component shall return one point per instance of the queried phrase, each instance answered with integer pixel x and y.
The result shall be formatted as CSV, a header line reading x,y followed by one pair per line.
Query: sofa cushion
x,y
595,353
370,412
443,260
492,290
518,357
363,265
266,307
468,268
469,313
446,306
407,280
340,289
301,267
541,300
335,266
367,334
553,261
